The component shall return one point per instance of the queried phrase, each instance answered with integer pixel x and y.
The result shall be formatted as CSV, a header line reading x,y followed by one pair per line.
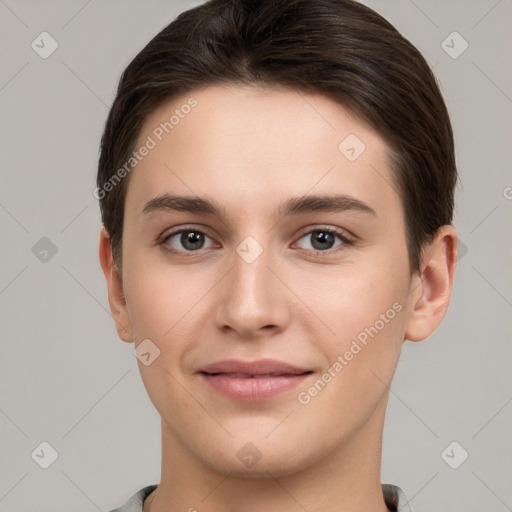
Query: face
x,y
278,294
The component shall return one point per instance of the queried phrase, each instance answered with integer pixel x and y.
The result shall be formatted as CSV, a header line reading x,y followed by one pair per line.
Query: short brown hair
x,y
338,48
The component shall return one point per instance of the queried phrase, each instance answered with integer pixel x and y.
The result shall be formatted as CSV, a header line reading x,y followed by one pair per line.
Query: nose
x,y
254,301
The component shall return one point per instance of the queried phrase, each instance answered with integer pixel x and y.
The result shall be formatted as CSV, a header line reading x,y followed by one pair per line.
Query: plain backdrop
x,y
67,380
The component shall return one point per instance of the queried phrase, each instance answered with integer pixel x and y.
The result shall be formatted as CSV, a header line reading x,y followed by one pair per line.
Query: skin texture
x,y
250,150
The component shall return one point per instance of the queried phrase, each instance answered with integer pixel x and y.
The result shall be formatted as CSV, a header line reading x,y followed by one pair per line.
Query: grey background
x,y
68,380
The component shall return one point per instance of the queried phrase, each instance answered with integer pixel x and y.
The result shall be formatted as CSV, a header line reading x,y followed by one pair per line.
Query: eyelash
x,y
341,234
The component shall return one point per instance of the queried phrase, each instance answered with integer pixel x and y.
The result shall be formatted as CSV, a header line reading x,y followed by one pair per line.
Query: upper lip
x,y
257,367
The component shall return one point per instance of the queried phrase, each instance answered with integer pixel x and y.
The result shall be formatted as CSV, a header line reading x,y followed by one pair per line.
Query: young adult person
x,y
276,183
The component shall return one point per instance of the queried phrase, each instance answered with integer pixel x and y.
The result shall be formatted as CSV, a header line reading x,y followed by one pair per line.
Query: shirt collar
x,y
394,498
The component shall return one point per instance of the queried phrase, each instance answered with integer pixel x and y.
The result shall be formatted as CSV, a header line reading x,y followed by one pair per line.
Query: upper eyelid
x,y
336,230
185,229
173,232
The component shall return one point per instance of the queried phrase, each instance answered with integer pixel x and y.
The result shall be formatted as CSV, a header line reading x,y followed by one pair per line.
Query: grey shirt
x,y
393,496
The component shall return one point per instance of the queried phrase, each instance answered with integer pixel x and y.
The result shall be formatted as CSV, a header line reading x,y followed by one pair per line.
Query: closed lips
x,y
258,368
252,381
258,376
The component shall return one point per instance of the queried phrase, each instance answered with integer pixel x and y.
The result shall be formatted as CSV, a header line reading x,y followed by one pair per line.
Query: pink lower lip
x,y
252,389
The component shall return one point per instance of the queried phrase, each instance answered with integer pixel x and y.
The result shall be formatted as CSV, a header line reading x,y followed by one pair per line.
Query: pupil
x,y
191,240
323,240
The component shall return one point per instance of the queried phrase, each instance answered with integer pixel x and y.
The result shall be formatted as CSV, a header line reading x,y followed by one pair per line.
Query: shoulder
x,y
135,503
395,498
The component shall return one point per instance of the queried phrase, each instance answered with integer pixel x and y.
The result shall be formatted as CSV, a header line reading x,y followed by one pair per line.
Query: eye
x,y
191,240
323,239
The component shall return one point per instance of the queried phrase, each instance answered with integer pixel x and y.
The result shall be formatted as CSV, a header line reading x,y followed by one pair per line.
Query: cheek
x,y
157,298
366,316
169,306
160,305
149,303
350,301
360,358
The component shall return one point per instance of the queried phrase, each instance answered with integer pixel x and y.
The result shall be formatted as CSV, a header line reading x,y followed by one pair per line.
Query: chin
x,y
260,459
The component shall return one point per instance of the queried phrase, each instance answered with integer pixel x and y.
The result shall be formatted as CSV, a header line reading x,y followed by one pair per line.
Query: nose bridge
x,y
250,271
252,299
251,275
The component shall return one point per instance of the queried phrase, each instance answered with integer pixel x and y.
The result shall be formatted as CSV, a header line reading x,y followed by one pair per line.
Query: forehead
x,y
254,145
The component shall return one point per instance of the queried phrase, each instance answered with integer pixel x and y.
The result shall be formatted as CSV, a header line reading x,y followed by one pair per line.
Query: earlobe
x,y
116,297
431,289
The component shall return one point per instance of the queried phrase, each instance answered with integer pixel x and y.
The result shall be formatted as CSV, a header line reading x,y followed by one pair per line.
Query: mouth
x,y
252,381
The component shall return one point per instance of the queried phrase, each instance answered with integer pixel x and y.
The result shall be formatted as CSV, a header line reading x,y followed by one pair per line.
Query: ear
x,y
115,289
431,288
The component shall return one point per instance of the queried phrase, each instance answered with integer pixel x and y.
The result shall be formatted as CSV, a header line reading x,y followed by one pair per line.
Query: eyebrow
x,y
293,206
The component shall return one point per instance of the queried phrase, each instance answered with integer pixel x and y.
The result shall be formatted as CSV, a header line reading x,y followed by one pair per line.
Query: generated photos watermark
x,y
357,344
151,142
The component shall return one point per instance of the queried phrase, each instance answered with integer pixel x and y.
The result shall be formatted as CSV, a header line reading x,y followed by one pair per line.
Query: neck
x,y
348,478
